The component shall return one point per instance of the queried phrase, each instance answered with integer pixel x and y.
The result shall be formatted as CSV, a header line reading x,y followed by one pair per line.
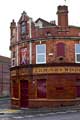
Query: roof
x,y
4,59
45,23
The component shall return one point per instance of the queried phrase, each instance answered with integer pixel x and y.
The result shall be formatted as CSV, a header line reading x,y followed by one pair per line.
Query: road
x,y
4,103
6,113
57,116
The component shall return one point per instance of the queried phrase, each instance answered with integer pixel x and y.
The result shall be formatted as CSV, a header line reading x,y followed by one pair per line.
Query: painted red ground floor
x,y
49,85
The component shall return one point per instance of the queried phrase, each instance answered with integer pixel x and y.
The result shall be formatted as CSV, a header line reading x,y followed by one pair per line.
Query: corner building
x,y
45,62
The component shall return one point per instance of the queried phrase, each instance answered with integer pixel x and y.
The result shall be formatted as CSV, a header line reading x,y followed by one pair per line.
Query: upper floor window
x,y
41,54
48,34
60,50
13,54
77,53
13,62
13,59
13,32
23,28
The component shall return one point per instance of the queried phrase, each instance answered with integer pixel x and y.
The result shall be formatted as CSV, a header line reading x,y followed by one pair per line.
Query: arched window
x,y
60,50
23,28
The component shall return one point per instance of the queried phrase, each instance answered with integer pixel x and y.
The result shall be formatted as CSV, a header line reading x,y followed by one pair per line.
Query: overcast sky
x,y
45,9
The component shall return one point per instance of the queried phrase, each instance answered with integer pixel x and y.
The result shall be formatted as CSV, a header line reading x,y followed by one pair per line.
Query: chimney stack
x,y
62,16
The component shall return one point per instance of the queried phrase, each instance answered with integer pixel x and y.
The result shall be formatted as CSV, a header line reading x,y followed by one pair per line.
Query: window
x,y
15,89
13,32
77,53
13,54
60,50
23,57
23,28
77,91
48,34
60,92
13,62
41,88
40,54
78,87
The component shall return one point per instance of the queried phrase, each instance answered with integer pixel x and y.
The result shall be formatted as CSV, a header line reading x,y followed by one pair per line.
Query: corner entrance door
x,y
24,93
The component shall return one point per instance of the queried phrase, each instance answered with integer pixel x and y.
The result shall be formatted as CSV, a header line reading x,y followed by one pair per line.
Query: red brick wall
x,y
52,48
55,95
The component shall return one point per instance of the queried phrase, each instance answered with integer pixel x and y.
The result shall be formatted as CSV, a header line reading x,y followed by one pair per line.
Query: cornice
x,y
44,39
46,65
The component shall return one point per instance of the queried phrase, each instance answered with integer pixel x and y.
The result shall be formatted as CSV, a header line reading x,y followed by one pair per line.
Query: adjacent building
x,y
45,61
4,76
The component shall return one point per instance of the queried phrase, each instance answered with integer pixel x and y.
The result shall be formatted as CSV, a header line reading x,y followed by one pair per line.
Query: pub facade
x,y
45,62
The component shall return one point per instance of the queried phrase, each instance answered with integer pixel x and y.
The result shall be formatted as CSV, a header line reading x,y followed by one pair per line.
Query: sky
x,y
45,9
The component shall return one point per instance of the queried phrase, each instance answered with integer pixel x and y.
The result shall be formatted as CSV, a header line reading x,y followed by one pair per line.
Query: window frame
x,y
39,54
23,25
76,53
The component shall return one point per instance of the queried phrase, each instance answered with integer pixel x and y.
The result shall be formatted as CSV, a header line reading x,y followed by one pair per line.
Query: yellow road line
x,y
9,111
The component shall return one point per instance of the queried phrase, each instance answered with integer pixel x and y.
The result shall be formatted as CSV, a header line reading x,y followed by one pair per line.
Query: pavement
x,y
48,111
5,109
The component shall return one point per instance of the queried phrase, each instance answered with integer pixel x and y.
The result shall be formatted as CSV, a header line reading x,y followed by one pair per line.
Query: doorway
x,y
24,93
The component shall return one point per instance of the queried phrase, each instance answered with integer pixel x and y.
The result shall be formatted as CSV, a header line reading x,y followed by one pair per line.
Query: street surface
x,y
68,113
57,116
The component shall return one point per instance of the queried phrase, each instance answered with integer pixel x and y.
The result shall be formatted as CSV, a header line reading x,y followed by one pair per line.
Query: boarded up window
x,y
41,88
78,91
15,89
60,49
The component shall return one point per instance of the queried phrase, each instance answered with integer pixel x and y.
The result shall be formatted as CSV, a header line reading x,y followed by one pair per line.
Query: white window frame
x,y
37,54
76,55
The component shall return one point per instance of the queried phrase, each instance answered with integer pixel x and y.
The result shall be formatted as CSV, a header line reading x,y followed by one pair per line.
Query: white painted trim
x,y
17,55
17,50
76,55
30,44
30,34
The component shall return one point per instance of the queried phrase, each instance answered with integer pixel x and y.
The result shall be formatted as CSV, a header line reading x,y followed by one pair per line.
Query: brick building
x,y
4,76
45,61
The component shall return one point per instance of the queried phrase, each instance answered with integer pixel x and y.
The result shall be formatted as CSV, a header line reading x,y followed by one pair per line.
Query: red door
x,y
24,93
